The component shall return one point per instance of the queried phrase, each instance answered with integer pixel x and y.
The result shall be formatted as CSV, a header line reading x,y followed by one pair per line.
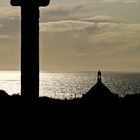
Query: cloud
x,y
105,9
109,45
81,35
8,12
61,12
89,23
121,1
63,9
4,36
99,18
93,38
67,25
1,25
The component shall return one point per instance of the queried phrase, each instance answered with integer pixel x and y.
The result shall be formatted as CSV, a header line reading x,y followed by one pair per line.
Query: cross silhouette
x,y
30,45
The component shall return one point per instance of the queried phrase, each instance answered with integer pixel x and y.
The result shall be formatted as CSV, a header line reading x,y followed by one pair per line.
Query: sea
x,y
74,84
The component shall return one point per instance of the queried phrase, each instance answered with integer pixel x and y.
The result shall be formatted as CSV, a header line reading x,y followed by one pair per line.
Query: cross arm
x,y
30,2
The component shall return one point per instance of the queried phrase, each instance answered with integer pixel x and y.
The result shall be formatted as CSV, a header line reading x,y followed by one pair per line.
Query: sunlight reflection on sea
x,y
71,85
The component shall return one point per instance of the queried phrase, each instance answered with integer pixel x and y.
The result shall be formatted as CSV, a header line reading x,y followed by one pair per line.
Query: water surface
x,y
71,85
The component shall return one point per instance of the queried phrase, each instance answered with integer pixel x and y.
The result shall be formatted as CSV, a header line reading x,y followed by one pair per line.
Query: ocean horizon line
x,y
94,71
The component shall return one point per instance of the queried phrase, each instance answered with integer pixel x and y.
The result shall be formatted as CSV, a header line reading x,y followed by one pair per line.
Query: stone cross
x,y
30,45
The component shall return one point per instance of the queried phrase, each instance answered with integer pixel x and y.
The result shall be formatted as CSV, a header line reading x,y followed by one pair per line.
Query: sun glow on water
x,y
71,85
7,75
10,81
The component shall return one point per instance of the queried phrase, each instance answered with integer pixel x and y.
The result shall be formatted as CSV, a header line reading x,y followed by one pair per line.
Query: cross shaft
x,y
30,45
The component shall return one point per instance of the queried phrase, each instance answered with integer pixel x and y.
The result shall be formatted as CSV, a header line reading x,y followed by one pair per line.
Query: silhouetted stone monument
x,y
30,45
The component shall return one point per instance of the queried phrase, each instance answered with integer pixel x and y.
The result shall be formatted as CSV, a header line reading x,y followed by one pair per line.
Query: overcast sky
x,y
77,35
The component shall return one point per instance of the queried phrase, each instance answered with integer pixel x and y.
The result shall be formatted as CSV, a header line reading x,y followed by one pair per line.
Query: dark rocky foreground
x,y
98,109
99,105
